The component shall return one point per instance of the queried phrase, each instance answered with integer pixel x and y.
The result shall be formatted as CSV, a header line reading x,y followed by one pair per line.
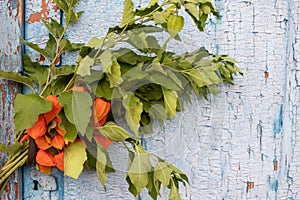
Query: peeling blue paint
x,y
275,185
289,179
9,96
274,160
259,133
278,124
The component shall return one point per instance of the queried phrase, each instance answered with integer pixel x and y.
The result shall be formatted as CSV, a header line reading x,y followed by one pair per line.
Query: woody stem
x,y
9,169
5,178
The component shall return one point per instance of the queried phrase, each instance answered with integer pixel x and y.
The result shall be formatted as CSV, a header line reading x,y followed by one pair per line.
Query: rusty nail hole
x,y
35,185
275,165
266,74
250,185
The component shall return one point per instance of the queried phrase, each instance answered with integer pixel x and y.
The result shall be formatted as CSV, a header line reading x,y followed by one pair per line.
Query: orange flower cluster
x,y
46,134
49,137
99,116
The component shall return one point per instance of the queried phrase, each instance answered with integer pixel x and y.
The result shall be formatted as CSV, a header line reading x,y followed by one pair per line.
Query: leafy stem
x,y
68,86
144,16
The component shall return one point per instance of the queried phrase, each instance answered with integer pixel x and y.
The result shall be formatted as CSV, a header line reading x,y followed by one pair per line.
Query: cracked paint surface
x,y
256,154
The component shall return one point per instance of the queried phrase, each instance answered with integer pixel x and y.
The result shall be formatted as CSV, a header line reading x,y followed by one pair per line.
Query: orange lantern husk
x,y
44,169
59,161
38,129
58,141
43,142
45,158
56,107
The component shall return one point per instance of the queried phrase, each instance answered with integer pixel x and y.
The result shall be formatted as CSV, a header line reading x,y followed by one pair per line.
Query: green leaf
x,y
50,48
162,173
103,165
74,158
228,59
170,99
111,67
91,160
103,89
100,165
128,13
71,131
54,27
131,187
177,2
152,44
35,71
35,47
81,106
114,132
65,100
182,175
12,149
95,42
17,78
61,4
153,186
175,25
205,8
152,2
192,9
106,59
128,56
159,18
139,169
114,74
89,132
71,3
63,70
196,77
169,11
27,109
147,10
138,40
59,84
174,193
66,45
84,67
134,109
71,16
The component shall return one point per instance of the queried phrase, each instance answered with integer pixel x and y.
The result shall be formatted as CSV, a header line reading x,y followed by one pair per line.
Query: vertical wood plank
x,y
34,31
11,15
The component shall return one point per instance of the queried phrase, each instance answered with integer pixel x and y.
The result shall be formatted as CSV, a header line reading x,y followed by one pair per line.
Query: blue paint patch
x,y
289,180
274,160
278,124
272,185
144,143
217,48
8,95
275,185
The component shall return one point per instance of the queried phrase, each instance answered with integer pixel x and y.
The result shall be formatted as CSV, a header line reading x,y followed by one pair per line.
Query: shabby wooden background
x,y
244,144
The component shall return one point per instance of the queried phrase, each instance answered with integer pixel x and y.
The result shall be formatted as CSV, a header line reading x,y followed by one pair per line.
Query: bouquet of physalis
x,y
119,88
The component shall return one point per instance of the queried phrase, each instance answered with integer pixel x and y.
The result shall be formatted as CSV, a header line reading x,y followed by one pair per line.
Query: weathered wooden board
x,y
244,144
254,155
11,15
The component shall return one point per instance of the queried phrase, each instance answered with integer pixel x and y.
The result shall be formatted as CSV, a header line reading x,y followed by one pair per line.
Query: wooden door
x,y
244,144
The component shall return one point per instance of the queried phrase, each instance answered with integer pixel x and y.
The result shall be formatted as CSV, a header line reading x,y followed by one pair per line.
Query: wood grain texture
x,y
244,143
11,15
